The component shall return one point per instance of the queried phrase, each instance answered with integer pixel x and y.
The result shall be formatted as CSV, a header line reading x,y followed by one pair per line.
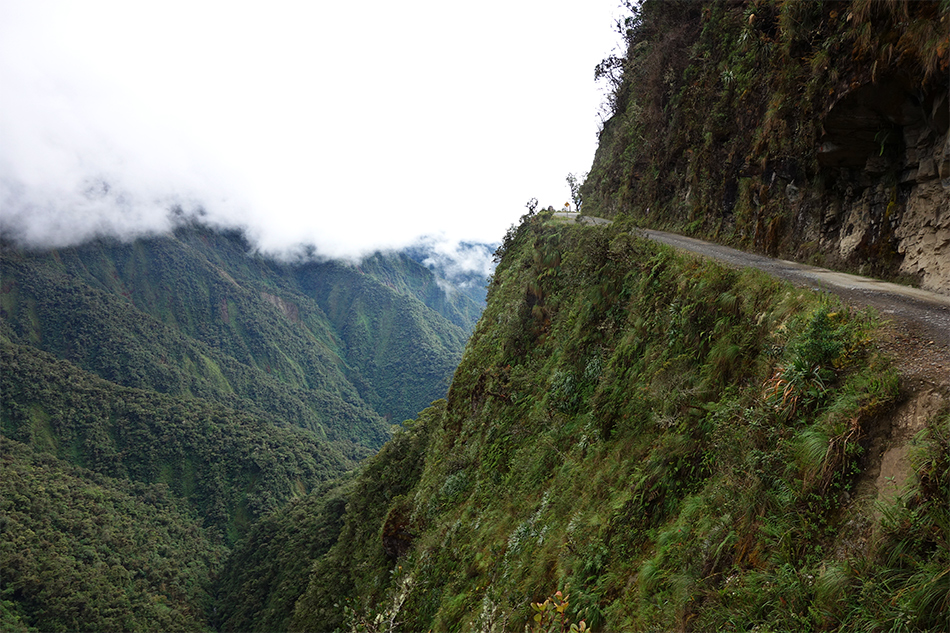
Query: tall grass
x,y
635,456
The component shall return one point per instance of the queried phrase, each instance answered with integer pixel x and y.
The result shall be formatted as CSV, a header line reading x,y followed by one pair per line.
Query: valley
x,y
718,400
201,384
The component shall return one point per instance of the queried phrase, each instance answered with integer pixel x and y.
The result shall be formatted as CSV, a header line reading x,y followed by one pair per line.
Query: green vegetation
x,y
269,570
461,306
633,439
229,466
322,346
402,357
196,387
377,529
673,444
736,120
905,583
84,552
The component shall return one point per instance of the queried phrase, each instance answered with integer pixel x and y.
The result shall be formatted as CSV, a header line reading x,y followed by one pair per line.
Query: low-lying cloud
x,y
313,129
73,166
463,263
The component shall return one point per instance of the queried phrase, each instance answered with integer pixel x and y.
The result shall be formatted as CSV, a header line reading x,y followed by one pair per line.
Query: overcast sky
x,y
348,125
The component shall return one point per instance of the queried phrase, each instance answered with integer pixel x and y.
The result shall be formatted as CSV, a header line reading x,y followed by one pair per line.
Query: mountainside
x,y
819,131
192,381
81,551
668,443
647,441
633,439
197,314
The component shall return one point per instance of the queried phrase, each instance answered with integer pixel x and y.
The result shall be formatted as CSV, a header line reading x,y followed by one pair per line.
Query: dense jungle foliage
x,y
84,552
670,444
228,465
321,345
196,385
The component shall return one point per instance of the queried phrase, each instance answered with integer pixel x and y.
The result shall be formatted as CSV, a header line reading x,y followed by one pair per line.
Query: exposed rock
x,y
943,160
924,234
793,193
287,308
889,146
866,122
855,229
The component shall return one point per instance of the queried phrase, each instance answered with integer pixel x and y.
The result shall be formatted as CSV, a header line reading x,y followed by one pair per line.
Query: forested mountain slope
x,y
84,552
190,380
196,313
230,466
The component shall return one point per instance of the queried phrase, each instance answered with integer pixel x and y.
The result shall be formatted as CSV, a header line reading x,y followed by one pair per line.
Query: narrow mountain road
x,y
916,335
919,321
931,311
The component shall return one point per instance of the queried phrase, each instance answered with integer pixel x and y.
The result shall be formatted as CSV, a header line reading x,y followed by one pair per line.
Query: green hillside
x,y
200,437
399,347
316,345
84,552
400,271
193,383
229,466
670,444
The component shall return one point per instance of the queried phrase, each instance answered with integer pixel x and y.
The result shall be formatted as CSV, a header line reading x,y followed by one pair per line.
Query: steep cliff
x,y
815,130
647,441
669,444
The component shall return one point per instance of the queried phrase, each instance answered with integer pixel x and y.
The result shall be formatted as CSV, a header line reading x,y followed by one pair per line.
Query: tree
x,y
575,183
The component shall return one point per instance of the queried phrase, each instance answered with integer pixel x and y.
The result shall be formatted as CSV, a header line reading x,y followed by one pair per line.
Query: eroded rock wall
x,y
887,146
924,235
805,130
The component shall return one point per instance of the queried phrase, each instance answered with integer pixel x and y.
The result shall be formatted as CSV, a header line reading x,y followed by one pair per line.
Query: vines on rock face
x,y
724,120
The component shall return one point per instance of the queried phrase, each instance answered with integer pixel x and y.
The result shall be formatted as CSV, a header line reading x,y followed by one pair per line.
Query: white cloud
x,y
352,126
459,259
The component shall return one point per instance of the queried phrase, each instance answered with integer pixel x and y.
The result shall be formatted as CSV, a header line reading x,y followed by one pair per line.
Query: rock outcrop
x,y
924,235
811,131
891,143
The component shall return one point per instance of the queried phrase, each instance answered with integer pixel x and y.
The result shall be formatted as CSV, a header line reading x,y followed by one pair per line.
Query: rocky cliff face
x,y
815,131
890,142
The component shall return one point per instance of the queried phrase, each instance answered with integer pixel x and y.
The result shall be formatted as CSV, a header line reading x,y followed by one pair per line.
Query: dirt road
x,y
916,336
926,313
